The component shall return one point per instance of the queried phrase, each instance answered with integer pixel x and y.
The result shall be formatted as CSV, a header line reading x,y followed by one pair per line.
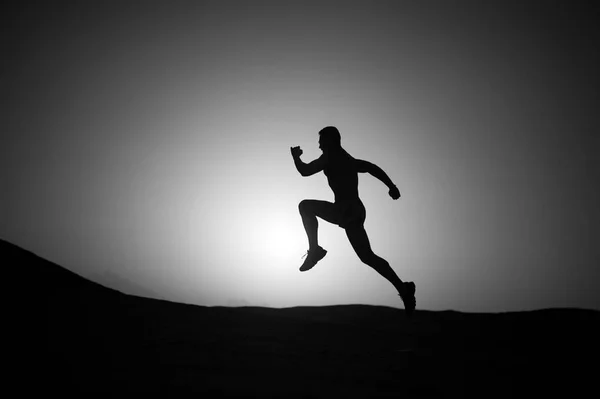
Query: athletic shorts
x,y
351,213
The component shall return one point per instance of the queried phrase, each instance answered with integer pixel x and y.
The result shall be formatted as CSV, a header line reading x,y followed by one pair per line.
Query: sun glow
x,y
282,234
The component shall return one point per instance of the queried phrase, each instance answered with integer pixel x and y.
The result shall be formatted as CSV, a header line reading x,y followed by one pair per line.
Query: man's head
x,y
329,139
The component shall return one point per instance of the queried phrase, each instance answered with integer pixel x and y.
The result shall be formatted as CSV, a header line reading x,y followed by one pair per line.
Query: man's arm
x,y
376,171
303,168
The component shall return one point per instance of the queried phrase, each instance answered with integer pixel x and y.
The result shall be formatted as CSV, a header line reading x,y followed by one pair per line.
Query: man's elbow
x,y
306,172
371,169
302,172
375,170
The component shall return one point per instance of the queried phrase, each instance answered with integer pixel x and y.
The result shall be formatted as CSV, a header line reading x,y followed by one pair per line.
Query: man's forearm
x,y
377,172
299,165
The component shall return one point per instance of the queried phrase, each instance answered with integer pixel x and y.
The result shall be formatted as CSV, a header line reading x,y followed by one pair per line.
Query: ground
x,y
74,335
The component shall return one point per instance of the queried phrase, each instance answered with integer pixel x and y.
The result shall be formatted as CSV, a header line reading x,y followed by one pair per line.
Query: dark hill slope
x,y
75,335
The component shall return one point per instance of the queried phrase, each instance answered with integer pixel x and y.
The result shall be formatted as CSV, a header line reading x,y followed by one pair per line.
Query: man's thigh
x,y
326,210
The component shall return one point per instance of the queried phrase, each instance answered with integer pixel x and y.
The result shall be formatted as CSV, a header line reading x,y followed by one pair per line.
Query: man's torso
x,y
342,176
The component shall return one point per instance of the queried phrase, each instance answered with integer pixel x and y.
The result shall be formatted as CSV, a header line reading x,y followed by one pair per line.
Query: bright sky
x,y
148,148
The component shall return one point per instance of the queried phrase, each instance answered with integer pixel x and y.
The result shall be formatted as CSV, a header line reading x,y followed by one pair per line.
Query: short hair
x,y
331,136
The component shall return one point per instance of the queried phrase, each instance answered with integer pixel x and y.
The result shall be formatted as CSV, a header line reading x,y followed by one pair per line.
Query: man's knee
x,y
304,206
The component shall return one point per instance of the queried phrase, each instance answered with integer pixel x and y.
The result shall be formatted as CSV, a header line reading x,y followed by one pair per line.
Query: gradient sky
x,y
147,145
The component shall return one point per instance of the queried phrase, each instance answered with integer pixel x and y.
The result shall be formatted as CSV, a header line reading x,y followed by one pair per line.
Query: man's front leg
x,y
311,224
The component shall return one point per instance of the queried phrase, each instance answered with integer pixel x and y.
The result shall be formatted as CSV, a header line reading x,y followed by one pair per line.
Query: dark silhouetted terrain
x,y
73,335
123,284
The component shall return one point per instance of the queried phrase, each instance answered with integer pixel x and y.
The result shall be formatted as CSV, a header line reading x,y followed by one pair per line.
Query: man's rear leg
x,y
360,242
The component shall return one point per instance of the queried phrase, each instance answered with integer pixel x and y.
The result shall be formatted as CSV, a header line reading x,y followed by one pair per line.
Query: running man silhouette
x,y
347,211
